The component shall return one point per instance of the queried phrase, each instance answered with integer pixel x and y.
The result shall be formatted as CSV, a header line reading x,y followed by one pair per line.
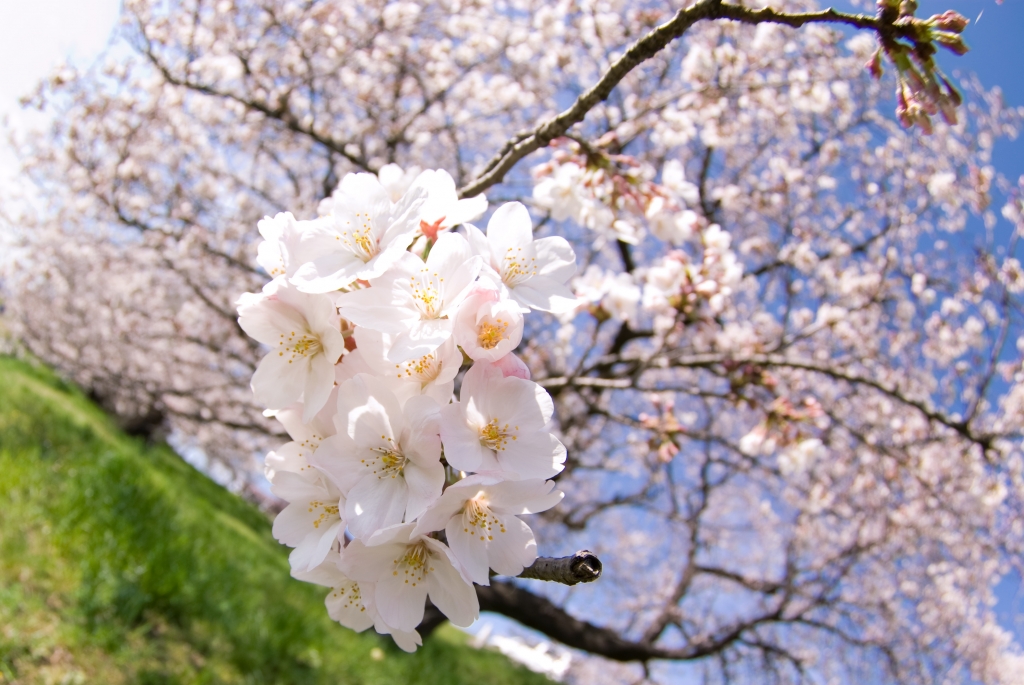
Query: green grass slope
x,y
119,563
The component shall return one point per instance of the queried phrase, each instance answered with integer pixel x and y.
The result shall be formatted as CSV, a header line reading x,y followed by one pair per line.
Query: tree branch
x,y
581,567
542,615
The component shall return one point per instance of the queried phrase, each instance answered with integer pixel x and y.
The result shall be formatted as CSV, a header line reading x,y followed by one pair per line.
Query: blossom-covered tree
x,y
724,326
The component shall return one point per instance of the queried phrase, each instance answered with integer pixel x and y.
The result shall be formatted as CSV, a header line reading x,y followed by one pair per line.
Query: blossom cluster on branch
x,y
373,309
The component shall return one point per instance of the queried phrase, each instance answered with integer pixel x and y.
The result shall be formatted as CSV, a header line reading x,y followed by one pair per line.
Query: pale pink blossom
x,y
304,335
312,521
407,568
500,424
306,438
351,603
385,457
432,374
488,327
280,253
534,271
416,302
361,235
479,517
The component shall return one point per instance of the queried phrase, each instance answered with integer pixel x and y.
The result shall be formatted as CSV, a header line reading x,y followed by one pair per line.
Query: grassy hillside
x,y
119,563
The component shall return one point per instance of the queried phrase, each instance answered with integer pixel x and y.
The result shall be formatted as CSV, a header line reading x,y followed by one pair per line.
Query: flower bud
x,y
949,20
951,41
874,65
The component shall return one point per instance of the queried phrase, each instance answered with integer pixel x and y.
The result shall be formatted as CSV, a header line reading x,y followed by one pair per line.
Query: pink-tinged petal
x,y
375,503
401,601
469,545
389,256
425,484
419,338
332,270
292,487
314,547
510,227
405,214
512,366
464,210
514,549
319,383
309,432
326,574
277,383
537,455
478,242
544,294
421,441
292,524
555,258
382,307
368,563
350,366
345,605
450,593
461,442
372,410
407,640
437,515
529,401
514,401
370,424
450,252
335,458
366,189
264,318
398,534
291,457
523,497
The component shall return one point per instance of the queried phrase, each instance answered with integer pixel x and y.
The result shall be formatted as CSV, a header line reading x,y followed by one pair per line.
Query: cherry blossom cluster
x,y
614,195
397,492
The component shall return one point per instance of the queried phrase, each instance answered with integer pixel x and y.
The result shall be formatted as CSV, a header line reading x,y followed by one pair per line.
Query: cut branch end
x,y
581,567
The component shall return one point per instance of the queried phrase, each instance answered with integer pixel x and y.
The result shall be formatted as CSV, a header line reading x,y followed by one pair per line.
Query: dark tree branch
x,y
581,567
541,614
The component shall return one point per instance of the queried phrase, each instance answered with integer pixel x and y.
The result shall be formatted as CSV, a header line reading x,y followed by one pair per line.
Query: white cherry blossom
x,y
432,374
306,437
488,327
361,235
280,253
479,517
312,521
416,301
443,208
304,335
385,457
534,271
559,192
500,424
351,603
407,568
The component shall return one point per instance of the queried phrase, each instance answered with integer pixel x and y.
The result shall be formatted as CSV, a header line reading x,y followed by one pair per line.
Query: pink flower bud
x,y
874,65
511,365
949,21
